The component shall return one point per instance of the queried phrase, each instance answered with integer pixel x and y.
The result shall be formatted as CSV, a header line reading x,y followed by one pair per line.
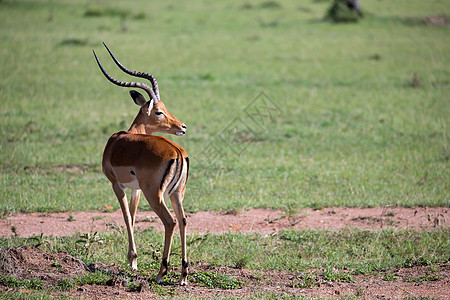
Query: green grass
x,y
355,126
358,252
11,281
316,256
214,280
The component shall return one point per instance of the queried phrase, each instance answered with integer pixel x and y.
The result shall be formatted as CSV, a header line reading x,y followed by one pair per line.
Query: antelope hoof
x,y
132,259
162,271
183,282
133,265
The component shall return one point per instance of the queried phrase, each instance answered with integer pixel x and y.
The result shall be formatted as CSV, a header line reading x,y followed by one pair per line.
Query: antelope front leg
x,y
119,190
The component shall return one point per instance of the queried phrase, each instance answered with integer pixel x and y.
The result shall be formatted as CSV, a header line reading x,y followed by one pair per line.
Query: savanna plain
x,y
286,113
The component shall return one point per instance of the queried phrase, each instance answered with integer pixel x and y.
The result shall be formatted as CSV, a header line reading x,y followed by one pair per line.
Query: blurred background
x,y
289,104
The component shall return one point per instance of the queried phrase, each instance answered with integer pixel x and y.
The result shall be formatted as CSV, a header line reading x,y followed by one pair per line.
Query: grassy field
x,y
283,110
352,114
319,257
355,250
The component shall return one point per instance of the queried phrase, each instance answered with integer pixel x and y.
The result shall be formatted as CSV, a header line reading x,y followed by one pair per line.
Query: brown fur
x,y
141,161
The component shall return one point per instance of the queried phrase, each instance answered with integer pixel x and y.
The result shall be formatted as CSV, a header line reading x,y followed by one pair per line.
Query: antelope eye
x,y
158,113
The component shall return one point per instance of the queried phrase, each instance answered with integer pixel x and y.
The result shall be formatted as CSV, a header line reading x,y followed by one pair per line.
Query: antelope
x,y
138,160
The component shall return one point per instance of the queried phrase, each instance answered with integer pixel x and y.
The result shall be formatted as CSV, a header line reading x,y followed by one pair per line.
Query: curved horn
x,y
147,76
140,85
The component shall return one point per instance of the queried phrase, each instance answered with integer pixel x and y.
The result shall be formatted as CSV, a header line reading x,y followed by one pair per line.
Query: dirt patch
x,y
50,270
30,263
441,20
263,221
403,284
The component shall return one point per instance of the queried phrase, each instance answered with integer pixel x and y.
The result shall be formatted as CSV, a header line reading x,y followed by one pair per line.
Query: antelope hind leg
x,y
119,190
177,204
156,202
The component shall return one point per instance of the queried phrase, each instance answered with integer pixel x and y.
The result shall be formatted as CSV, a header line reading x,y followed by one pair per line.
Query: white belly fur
x,y
125,177
131,185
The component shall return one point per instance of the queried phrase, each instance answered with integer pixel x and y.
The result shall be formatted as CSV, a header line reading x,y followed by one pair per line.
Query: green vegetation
x,y
357,252
316,256
423,278
283,111
14,282
340,12
361,115
214,280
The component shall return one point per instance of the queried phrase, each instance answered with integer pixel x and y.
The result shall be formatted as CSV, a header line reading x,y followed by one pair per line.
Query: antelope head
x,y
153,115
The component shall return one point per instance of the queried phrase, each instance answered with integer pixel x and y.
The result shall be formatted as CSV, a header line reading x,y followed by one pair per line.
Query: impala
x,y
141,161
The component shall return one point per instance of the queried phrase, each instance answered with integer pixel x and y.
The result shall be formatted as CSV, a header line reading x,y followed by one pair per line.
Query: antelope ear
x,y
150,107
138,98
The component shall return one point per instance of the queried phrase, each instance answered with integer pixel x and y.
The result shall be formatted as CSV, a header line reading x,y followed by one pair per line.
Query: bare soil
x,y
263,221
50,268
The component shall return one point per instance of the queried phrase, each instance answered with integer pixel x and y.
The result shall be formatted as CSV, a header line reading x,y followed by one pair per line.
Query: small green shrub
x,y
99,278
331,275
214,280
14,282
340,12
306,281
66,284
106,12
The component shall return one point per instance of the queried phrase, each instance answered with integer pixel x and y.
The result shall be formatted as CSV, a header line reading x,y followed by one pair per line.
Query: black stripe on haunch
x,y
178,172
166,173
173,181
187,171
